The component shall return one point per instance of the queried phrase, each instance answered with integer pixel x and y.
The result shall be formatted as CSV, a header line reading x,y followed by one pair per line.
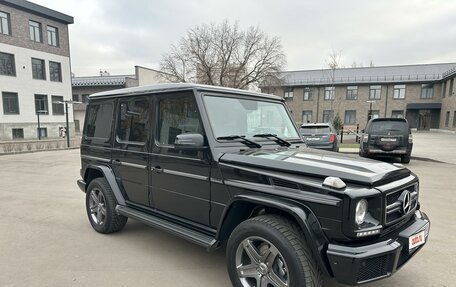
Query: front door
x,y
179,178
130,154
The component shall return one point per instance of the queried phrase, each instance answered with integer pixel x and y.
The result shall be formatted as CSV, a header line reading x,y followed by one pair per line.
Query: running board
x,y
191,235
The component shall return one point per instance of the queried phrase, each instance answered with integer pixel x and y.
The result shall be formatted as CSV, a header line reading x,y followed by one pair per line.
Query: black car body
x,y
215,165
387,137
320,136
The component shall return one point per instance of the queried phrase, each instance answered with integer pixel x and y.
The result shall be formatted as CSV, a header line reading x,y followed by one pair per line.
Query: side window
x,y
177,115
99,121
133,126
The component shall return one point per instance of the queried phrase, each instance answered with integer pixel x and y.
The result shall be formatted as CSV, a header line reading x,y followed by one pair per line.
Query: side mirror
x,y
189,141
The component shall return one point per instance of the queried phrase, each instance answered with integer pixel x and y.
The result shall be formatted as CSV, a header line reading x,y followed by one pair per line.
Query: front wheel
x,y
270,251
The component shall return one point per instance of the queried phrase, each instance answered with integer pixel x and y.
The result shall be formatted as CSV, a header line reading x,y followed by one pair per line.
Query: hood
x,y
317,163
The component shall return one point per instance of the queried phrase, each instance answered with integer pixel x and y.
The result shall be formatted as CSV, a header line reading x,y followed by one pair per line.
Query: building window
x,y
38,69
375,114
10,103
7,65
352,92
454,119
308,94
75,98
306,117
18,133
53,36
375,92
397,114
41,132
350,117
57,105
330,93
85,98
288,93
5,23
328,116
447,119
450,88
399,92
427,91
35,31
444,90
41,104
55,71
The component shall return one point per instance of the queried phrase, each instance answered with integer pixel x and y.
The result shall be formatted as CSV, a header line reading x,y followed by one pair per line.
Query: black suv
x,y
387,137
216,165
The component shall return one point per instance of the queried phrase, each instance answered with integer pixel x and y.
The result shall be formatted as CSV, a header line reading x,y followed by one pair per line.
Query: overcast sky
x,y
116,35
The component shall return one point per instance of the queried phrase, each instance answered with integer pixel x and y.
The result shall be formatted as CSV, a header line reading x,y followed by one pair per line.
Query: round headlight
x,y
361,210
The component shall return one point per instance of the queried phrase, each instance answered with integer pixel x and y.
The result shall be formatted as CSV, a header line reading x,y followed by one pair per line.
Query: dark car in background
x,y
387,137
320,136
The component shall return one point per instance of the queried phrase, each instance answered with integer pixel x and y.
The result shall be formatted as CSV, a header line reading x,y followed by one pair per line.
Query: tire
x,y
269,249
405,158
101,207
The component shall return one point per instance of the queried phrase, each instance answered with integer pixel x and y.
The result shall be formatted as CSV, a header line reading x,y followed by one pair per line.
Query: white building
x,y
34,70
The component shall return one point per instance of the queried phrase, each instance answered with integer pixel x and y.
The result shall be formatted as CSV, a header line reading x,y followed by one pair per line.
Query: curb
x,y
33,151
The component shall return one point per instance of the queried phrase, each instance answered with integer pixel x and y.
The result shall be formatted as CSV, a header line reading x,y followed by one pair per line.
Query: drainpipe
x,y
386,101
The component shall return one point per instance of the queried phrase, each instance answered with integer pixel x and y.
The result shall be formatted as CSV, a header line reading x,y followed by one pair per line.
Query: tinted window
x,y
99,120
177,115
391,127
133,121
315,130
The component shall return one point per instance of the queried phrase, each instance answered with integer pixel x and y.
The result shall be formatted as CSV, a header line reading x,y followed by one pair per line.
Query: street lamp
x,y
67,128
39,127
369,114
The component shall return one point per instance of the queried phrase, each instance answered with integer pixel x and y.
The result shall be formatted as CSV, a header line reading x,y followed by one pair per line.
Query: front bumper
x,y
357,265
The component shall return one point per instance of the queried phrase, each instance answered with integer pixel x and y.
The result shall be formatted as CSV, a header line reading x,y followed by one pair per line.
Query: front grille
x,y
374,268
395,204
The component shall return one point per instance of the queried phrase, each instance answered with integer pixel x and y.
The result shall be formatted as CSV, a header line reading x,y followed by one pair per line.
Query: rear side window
x,y
99,121
133,121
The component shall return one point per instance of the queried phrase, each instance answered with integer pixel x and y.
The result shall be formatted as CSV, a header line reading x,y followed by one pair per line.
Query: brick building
x,y
34,70
424,94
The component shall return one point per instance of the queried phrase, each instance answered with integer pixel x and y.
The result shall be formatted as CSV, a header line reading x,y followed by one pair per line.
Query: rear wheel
x,y
405,158
270,251
101,207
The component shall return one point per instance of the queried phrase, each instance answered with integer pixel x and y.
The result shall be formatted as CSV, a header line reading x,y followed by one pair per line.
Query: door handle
x,y
116,162
157,169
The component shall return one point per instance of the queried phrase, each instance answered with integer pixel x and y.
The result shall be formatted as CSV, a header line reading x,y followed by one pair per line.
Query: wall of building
x,y
449,105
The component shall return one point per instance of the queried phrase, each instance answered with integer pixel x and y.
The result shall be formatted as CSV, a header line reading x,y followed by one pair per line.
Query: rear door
x,y
130,154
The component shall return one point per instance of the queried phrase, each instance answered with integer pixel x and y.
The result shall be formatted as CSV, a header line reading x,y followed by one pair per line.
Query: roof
x,y
39,10
100,81
170,87
366,75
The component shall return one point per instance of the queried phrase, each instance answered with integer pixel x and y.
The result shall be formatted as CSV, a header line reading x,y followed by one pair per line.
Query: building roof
x,y
159,88
39,10
100,81
366,75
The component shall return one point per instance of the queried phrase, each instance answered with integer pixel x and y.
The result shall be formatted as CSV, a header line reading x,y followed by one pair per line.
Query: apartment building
x,y
34,70
420,93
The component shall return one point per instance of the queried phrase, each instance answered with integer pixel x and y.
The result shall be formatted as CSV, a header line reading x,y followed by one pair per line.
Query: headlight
x,y
361,210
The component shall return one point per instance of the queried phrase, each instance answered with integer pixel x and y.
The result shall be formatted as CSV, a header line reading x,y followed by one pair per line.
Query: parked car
x,y
320,136
220,166
387,137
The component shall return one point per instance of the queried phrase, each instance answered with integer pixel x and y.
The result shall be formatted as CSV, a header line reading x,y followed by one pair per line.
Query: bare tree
x,y
223,55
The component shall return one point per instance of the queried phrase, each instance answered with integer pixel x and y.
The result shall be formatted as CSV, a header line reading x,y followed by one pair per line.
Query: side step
x,y
191,235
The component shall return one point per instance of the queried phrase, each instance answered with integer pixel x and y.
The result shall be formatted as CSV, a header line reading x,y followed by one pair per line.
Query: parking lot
x,y
46,239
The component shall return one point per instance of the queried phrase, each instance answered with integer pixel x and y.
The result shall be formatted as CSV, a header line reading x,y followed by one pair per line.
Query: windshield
x,y
315,130
232,116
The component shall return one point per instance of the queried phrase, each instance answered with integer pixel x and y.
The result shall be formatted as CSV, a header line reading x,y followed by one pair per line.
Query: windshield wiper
x,y
242,139
278,140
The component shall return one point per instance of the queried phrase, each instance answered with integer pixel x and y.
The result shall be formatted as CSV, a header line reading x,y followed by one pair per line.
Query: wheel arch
x,y
243,207
94,171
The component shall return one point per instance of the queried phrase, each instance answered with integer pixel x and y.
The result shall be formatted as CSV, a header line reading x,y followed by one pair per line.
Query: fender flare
x,y
306,219
111,179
